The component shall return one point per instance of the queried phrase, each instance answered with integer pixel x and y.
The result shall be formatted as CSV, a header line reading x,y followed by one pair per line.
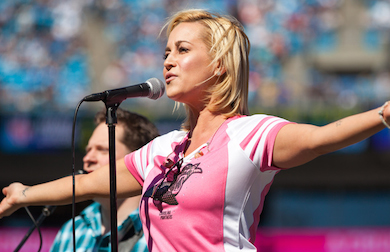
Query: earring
x,y
218,73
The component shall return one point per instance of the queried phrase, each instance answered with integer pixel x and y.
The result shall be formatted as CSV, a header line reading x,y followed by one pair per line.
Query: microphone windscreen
x,y
157,88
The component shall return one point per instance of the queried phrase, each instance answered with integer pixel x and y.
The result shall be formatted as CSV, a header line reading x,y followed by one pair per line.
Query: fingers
x,y
5,189
7,206
3,208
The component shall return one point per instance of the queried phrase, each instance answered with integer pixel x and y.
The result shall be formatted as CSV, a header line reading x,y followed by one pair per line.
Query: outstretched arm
x,y
297,144
59,192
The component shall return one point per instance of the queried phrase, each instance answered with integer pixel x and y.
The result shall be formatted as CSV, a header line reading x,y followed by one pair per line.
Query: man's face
x,y
97,150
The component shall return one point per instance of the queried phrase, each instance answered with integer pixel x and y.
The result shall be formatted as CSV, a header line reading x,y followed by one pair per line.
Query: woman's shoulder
x,y
174,134
255,118
239,125
168,138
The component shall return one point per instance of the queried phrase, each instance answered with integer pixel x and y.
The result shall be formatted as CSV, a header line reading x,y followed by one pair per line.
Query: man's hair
x,y
138,130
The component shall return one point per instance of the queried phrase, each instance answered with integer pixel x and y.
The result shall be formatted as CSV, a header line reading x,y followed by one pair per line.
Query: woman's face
x,y
187,69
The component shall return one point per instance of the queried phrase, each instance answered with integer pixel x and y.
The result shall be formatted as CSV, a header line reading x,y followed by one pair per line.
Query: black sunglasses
x,y
159,191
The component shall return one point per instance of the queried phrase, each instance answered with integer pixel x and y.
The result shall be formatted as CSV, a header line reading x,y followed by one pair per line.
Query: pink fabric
x,y
215,193
357,239
10,238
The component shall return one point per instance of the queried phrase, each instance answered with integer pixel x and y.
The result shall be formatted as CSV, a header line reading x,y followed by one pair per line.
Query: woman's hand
x,y
384,114
12,200
59,192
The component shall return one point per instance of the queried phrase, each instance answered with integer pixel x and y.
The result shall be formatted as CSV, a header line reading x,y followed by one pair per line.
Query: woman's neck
x,y
203,127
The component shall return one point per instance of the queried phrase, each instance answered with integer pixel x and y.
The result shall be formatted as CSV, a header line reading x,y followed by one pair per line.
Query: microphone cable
x,y
73,174
38,229
73,187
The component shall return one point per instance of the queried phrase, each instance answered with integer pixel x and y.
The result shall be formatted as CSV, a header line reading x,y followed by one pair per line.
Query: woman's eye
x,y
182,49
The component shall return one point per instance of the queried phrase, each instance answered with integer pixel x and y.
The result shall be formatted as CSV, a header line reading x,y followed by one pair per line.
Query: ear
x,y
219,70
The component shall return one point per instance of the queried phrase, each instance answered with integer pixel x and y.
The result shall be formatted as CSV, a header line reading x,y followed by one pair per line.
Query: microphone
x,y
152,88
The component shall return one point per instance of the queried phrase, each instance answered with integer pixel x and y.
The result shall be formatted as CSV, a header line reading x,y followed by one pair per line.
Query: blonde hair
x,y
229,46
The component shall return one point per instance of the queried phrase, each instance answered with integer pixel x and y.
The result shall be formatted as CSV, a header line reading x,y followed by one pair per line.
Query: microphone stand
x,y
153,88
46,211
111,121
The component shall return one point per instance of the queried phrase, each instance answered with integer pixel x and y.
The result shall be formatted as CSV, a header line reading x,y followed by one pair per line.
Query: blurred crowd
x,y
45,65
283,31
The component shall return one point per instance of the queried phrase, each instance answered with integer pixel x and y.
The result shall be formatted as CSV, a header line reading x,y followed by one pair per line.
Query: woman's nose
x,y
169,62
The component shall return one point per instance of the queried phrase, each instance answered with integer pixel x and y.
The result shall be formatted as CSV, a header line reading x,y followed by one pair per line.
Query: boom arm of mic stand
x,y
46,211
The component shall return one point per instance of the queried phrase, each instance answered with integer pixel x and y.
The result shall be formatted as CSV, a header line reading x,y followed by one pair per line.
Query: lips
x,y
169,77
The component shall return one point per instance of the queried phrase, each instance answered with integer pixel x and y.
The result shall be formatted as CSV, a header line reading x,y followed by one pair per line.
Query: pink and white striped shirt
x,y
216,200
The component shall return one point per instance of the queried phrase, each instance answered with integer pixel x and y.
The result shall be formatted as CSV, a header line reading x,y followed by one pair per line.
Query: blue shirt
x,y
89,235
